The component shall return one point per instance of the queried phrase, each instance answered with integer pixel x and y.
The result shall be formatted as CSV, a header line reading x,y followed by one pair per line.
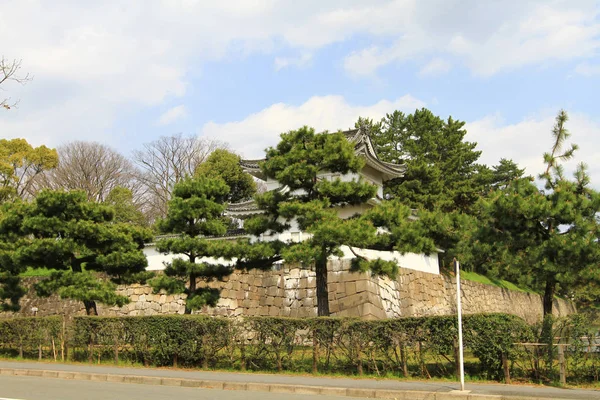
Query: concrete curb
x,y
265,387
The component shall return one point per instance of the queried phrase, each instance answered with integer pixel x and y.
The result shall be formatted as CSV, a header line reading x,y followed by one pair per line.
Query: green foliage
x,y
547,240
492,337
121,200
308,199
415,346
160,340
441,168
26,334
82,286
486,280
504,173
195,212
65,232
11,215
224,164
20,163
421,347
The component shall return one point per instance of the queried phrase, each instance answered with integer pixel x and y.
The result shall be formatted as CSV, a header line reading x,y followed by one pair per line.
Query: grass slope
x,y
475,277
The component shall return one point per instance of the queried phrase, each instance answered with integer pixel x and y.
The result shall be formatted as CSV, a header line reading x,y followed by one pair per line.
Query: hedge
x,y
32,335
423,347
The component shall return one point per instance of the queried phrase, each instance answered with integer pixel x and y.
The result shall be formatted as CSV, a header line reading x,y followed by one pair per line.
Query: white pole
x,y
460,339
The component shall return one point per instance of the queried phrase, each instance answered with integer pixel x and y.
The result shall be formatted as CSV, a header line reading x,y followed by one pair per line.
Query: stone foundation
x,y
291,292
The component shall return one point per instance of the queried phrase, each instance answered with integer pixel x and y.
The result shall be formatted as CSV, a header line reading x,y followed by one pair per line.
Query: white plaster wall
x,y
418,262
367,174
156,260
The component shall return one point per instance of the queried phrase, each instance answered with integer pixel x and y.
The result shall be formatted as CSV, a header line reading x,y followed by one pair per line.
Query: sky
x,y
124,73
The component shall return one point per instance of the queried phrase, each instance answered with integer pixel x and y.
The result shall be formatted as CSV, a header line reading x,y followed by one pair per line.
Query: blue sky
x,y
125,73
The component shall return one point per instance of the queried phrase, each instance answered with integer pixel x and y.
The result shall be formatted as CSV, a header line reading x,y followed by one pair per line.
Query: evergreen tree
x,y
126,211
224,164
64,232
195,212
546,239
11,214
505,172
441,168
308,199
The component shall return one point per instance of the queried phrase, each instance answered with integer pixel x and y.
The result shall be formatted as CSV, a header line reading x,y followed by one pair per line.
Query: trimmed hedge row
x,y
407,346
31,334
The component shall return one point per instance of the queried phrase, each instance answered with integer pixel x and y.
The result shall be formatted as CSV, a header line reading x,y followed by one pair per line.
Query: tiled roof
x,y
251,164
363,146
229,234
249,205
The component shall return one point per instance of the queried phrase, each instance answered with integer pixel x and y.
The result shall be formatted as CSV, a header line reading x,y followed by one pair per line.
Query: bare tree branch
x,y
92,167
166,161
9,71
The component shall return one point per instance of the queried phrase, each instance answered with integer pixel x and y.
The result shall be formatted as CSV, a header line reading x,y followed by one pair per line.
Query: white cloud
x,y
527,140
301,61
435,67
172,115
93,62
587,69
495,37
252,135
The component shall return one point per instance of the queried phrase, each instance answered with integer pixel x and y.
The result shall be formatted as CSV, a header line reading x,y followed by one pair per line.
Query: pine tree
x,y
224,164
64,232
309,200
547,239
121,200
195,212
11,291
441,168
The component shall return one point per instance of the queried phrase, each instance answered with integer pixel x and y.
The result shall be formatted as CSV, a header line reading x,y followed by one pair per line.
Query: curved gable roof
x,y
363,146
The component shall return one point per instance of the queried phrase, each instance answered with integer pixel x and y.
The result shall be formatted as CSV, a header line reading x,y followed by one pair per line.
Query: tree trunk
x,y
90,307
549,296
322,294
192,288
547,335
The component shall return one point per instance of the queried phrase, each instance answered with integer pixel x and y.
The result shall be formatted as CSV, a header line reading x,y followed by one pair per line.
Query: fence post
x,y
562,365
506,369
315,349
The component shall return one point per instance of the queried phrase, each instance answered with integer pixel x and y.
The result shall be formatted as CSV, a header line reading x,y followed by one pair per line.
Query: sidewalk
x,y
384,388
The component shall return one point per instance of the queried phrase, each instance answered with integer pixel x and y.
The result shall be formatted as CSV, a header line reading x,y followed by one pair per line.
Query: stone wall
x,y
290,292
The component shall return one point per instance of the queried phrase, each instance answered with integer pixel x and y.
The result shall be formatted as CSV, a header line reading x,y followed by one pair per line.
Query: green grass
x,y
475,277
36,272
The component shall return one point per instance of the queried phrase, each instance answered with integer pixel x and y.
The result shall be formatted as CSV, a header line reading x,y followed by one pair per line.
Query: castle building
x,y
375,171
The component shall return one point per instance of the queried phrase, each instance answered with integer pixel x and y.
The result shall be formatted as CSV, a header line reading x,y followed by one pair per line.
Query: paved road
x,y
389,384
32,388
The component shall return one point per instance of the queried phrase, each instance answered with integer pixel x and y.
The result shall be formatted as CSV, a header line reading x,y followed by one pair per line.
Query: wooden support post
x,y
562,365
242,355
404,360
315,349
53,349
506,369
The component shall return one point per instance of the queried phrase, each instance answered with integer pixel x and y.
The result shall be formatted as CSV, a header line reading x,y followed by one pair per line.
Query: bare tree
x,y
9,71
166,161
93,167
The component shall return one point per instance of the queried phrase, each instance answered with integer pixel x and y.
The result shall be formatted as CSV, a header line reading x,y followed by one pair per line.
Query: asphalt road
x,y
32,388
383,384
